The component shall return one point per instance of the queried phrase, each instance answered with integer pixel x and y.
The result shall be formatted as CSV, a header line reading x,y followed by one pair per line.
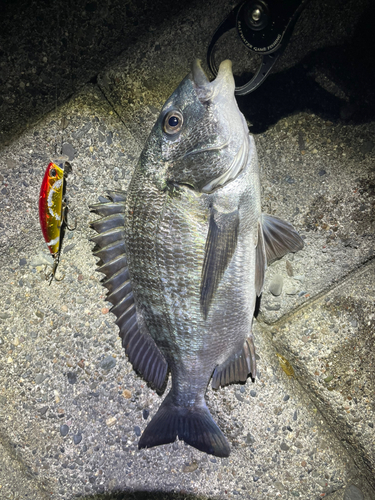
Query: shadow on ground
x,y
145,495
49,50
336,83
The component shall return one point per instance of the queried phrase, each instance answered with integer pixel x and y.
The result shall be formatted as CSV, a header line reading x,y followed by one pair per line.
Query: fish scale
x,y
185,254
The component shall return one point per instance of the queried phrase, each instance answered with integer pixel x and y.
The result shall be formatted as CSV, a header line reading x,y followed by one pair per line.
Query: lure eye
x,y
52,172
173,122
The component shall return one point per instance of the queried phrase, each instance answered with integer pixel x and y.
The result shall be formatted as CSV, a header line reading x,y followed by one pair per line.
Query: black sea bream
x,y
184,252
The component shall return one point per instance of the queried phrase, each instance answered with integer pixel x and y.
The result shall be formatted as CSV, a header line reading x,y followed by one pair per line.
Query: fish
x,y
184,252
52,207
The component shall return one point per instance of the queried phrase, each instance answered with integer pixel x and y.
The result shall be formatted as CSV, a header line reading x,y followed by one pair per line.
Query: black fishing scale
x,y
265,27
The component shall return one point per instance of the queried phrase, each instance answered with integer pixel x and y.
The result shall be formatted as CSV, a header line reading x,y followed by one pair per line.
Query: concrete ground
x,y
71,407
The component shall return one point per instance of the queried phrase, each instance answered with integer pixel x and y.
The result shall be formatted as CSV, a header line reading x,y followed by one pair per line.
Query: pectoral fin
x,y
280,237
220,246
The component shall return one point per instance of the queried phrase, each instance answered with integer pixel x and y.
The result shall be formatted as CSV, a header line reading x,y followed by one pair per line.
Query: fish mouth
x,y
223,84
221,89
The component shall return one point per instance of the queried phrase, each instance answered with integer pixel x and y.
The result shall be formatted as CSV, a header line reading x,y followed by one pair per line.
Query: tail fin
x,y
194,425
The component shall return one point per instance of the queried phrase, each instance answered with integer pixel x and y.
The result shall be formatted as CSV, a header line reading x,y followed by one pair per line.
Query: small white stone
x,y
111,421
276,285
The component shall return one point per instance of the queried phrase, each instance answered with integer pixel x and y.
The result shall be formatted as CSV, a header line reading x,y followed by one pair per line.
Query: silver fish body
x,y
185,252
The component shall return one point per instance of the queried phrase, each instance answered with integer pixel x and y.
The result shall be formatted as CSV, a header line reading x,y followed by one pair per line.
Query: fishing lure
x,y
53,208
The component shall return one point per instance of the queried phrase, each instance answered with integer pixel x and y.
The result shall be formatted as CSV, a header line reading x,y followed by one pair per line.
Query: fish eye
x,y
173,122
52,172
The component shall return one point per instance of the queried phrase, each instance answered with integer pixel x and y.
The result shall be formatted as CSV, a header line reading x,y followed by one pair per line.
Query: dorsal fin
x,y
141,349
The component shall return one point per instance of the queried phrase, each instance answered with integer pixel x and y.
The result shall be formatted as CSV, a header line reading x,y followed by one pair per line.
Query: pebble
x,y
291,290
83,131
72,377
276,285
43,411
284,446
366,147
145,414
111,421
352,493
127,394
137,430
69,247
253,393
77,438
289,268
190,467
250,439
40,378
286,397
64,429
108,363
68,150
295,415
23,262
273,307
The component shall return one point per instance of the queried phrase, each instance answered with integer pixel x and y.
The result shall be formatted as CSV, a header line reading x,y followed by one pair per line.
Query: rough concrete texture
x,y
332,352
49,50
71,407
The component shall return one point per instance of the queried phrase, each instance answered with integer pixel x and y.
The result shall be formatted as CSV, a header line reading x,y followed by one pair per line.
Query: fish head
x,y
201,138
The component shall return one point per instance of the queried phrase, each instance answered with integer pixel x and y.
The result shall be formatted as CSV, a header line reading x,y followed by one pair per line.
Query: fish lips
x,y
223,85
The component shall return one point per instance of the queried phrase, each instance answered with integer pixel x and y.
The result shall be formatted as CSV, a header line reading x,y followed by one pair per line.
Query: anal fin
x,y
237,367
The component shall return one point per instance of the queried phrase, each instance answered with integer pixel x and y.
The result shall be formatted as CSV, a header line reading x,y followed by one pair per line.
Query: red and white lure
x,y
53,208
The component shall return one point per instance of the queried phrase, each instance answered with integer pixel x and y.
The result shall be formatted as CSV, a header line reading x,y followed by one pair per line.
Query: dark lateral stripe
x,y
110,222
120,292
113,266
113,282
123,306
106,209
108,237
110,251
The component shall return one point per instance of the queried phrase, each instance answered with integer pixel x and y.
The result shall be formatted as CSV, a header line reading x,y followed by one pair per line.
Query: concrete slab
x,y
72,404
15,481
330,344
